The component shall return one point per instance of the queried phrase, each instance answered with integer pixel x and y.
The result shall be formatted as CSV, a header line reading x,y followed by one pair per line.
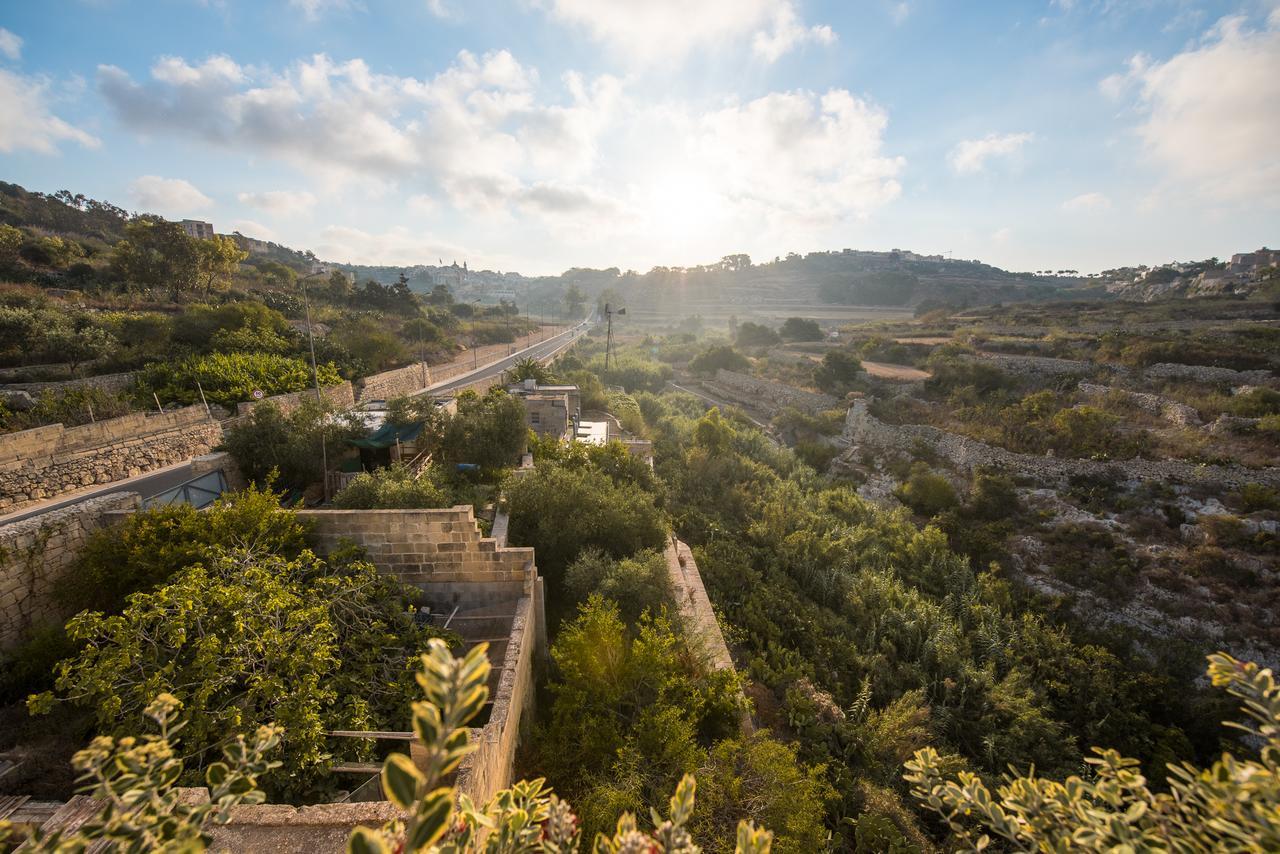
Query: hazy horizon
x,y
539,135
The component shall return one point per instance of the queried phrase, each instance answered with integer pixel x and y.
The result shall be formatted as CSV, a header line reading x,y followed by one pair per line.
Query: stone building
x,y
197,229
549,410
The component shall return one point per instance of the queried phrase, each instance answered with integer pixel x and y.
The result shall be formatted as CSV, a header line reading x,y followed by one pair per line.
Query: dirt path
x,y
896,373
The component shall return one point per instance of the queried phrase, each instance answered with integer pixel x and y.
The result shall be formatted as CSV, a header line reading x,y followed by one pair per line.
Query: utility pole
x,y
315,379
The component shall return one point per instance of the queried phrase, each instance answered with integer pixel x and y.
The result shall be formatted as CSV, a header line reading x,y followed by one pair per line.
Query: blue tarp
x,y
389,434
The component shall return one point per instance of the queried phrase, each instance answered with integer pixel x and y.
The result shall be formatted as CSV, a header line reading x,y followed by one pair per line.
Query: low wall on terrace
x,y
341,395
394,383
35,553
48,461
770,395
862,430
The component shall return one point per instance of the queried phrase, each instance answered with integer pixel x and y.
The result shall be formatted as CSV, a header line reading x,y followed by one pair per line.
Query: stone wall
x,y
1176,413
48,461
770,395
1204,373
862,430
341,395
1038,365
430,547
394,383
697,616
114,383
35,553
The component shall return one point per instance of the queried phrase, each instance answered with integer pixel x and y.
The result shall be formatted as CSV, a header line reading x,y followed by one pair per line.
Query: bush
x,y
70,406
719,358
800,329
1227,807
1256,403
229,378
756,335
561,510
927,493
635,584
271,447
393,488
838,371
487,431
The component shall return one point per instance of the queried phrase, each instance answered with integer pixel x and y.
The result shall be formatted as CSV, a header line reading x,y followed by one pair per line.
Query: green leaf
x,y
400,780
364,840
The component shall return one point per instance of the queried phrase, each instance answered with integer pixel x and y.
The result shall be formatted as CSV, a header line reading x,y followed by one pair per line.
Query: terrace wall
x,y
755,392
36,553
48,461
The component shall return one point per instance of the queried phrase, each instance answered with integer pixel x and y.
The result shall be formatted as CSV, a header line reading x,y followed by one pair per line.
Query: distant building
x,y
1252,262
549,410
197,229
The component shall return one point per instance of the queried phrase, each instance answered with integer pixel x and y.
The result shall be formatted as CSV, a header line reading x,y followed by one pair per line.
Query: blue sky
x,y
534,135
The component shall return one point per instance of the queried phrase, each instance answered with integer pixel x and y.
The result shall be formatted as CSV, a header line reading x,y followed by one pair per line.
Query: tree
x,y
635,584
246,636
157,253
78,346
10,242
217,260
755,335
271,447
529,368
1230,806
488,431
838,371
440,295
521,820
800,329
574,302
722,357
561,510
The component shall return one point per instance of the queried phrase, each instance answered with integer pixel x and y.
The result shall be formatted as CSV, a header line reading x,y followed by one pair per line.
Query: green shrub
x,y
393,488
230,378
838,372
1256,403
756,335
488,431
271,447
635,584
800,329
927,493
722,357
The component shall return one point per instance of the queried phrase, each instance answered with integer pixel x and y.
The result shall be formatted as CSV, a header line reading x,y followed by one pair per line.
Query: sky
x,y
538,135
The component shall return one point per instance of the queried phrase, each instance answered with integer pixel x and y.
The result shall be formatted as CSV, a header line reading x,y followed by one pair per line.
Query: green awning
x,y
389,434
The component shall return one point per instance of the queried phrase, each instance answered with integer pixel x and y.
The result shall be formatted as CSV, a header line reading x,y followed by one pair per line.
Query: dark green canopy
x,y
389,434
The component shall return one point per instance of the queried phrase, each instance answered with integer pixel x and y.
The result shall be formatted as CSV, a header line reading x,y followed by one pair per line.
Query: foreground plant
x,y
1234,805
525,818
132,781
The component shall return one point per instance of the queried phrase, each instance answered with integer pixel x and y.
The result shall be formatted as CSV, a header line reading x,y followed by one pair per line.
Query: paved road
x,y
146,485
541,351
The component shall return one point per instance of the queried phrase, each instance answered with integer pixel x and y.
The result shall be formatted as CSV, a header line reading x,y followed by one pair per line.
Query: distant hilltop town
x,y
1243,274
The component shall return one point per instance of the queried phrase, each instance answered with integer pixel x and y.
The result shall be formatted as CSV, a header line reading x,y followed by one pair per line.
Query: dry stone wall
x,y
1178,414
1204,373
755,392
341,395
1038,365
48,461
863,431
395,383
114,383
35,553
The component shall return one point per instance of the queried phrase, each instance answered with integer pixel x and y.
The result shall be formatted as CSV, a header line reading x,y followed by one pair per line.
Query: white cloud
x,y
1209,116
10,44
1086,202
971,155
591,167
171,196
249,228
25,120
1001,235
439,9
899,13
313,9
788,33
399,245
280,202
654,30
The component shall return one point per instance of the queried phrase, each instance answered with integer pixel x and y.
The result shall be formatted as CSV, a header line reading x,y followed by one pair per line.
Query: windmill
x,y
608,339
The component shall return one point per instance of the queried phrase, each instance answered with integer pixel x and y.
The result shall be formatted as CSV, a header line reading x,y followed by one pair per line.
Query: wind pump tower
x,y
608,339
